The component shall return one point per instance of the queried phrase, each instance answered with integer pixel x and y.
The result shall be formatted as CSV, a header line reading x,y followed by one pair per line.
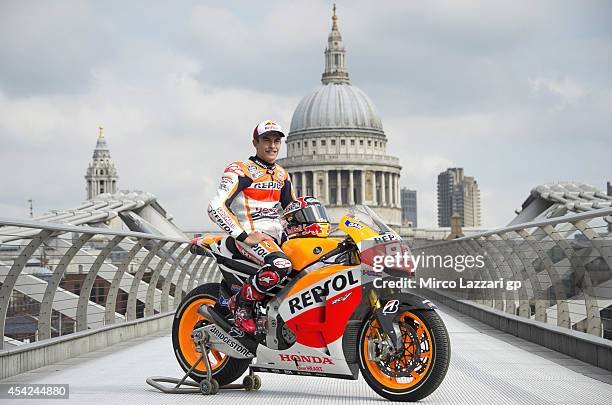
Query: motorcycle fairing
x,y
300,359
317,307
357,230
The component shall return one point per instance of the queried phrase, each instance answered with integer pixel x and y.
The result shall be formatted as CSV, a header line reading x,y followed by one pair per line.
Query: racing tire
x,y
425,337
225,369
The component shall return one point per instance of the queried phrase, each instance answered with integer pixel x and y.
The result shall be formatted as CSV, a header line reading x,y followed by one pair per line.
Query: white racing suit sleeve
x,y
232,183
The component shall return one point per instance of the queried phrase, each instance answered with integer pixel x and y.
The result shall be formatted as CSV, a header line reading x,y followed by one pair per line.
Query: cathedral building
x,y
101,176
336,145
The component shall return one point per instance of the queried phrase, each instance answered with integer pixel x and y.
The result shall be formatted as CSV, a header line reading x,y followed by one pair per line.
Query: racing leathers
x,y
249,198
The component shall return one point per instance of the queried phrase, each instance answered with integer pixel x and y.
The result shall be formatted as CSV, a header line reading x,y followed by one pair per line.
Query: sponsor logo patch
x,y
226,184
300,202
295,229
281,263
224,215
229,341
234,168
317,294
296,205
259,250
341,299
391,307
352,224
267,185
235,332
313,229
215,216
267,279
262,212
388,237
305,359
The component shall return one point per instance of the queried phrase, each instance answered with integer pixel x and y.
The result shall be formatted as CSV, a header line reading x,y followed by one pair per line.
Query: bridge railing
x,y
564,266
62,279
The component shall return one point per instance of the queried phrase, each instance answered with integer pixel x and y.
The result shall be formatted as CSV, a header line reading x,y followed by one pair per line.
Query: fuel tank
x,y
304,251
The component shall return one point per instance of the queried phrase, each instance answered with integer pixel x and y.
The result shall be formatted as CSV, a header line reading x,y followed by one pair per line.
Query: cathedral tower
x,y
101,176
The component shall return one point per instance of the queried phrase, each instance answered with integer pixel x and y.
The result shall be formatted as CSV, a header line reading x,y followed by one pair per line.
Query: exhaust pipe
x,y
226,338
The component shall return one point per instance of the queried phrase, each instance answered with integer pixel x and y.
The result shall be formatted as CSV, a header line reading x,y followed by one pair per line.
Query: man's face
x,y
268,146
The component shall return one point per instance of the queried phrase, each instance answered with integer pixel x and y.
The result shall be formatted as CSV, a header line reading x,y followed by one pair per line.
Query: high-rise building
x,y
101,176
610,194
409,206
458,194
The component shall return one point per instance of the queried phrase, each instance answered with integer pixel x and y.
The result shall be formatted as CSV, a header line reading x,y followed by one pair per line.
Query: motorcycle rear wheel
x,y
225,369
421,368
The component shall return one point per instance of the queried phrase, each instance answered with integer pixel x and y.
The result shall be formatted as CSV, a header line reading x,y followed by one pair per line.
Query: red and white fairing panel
x,y
303,359
317,314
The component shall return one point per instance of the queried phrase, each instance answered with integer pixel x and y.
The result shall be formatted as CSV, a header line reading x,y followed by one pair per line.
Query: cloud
x,y
173,140
565,88
48,48
517,93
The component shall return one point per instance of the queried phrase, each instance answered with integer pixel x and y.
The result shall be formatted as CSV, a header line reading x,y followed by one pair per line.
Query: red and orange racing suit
x,y
249,198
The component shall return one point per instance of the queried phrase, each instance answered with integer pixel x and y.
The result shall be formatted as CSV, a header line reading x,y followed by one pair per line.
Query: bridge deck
x,y
487,367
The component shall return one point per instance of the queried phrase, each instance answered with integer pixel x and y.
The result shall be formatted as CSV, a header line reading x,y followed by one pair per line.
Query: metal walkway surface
x,y
487,367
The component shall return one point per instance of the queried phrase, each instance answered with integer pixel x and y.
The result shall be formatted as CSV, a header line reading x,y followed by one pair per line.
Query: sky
x,y
518,93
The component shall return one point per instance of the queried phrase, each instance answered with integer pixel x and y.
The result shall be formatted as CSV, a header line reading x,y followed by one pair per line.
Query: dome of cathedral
x,y
336,106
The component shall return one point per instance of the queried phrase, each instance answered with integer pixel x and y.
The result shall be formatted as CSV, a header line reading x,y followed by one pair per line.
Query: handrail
x,y
85,277
25,223
561,268
602,212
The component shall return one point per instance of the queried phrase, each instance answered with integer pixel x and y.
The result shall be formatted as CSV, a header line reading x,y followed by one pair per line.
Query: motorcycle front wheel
x,y
415,372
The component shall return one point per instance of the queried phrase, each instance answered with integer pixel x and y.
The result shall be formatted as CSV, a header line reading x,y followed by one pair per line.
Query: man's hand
x,y
256,237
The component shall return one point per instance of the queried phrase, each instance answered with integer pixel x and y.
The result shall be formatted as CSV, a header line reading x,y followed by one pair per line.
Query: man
x,y
247,208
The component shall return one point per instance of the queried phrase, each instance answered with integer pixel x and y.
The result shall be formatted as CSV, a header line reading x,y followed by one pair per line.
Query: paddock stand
x,y
208,386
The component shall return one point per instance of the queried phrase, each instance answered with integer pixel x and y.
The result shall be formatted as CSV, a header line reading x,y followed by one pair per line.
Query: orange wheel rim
x,y
424,361
190,317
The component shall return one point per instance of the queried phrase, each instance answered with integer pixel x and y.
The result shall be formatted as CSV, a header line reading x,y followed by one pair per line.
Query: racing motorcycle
x,y
330,318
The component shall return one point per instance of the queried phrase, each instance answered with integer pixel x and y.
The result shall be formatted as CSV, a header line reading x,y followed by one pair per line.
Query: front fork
x,y
385,317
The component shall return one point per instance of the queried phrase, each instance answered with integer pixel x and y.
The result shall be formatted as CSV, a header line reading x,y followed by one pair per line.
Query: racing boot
x,y
241,304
